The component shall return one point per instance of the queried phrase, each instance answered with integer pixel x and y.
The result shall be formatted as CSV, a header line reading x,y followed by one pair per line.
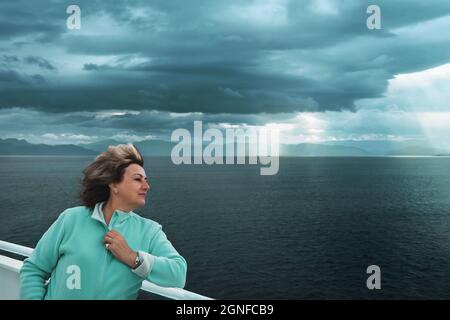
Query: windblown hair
x,y
108,167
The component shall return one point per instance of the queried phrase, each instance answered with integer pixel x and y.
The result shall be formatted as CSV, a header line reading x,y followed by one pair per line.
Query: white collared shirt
x,y
147,259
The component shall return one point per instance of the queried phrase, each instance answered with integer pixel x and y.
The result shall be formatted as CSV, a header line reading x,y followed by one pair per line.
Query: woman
x,y
103,250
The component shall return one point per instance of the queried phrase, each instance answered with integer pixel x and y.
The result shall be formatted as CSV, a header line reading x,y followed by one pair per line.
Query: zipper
x,y
105,259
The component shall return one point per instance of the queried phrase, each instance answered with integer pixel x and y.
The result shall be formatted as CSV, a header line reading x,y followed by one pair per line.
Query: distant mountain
x,y
22,147
321,150
99,146
164,148
146,147
379,147
417,151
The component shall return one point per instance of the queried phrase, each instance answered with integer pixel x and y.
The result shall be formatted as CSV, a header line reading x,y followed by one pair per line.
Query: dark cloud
x,y
41,31
37,20
18,80
40,62
38,78
6,59
239,57
95,67
11,76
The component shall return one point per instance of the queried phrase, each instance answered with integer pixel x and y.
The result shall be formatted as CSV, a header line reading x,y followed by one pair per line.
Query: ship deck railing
x,y
10,278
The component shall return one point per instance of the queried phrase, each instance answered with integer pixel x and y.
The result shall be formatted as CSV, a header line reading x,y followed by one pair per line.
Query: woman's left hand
x,y
118,246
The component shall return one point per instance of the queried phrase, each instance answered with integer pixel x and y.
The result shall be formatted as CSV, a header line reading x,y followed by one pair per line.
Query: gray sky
x,y
139,69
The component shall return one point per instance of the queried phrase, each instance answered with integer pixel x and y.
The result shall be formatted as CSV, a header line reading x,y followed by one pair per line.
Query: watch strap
x,y
137,261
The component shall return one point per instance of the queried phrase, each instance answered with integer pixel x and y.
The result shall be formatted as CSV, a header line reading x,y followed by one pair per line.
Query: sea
x,y
309,232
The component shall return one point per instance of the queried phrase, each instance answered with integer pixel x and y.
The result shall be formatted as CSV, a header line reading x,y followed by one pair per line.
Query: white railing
x,y
171,293
15,248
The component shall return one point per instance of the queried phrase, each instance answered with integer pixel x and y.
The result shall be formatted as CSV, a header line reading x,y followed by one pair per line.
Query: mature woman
x,y
103,250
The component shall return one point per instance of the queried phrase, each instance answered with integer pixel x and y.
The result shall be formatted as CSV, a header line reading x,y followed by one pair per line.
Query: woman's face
x,y
132,190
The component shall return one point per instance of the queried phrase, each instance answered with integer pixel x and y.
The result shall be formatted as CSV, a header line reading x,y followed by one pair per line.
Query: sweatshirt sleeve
x,y
37,269
167,268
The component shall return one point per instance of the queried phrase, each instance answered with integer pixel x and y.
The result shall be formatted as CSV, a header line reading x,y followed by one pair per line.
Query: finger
x,y
108,239
111,234
117,233
114,235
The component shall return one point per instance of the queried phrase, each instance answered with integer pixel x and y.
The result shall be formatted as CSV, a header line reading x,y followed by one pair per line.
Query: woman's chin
x,y
141,203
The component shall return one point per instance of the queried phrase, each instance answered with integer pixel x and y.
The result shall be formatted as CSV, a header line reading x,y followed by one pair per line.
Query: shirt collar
x,y
98,214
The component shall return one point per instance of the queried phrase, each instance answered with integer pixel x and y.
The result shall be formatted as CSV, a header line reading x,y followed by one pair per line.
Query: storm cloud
x,y
147,67
275,56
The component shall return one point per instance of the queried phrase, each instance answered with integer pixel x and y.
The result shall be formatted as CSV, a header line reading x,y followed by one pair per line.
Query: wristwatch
x,y
137,261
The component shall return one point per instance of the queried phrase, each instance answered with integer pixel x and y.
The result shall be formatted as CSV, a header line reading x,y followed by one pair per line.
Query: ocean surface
x,y
309,232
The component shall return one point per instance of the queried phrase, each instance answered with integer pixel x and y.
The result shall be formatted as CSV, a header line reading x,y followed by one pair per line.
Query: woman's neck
x,y
110,206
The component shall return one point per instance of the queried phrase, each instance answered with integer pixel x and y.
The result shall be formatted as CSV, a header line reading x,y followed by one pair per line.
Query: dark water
x,y
309,232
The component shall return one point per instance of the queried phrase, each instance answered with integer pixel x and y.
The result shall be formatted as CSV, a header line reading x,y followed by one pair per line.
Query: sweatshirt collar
x,y
98,214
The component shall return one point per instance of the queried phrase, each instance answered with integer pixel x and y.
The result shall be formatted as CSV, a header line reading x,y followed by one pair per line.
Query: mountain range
x,y
13,146
22,147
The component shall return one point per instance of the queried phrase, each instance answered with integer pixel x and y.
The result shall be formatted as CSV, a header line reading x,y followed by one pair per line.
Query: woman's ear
x,y
113,188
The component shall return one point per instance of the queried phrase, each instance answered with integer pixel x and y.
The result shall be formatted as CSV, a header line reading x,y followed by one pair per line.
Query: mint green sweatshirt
x,y
71,253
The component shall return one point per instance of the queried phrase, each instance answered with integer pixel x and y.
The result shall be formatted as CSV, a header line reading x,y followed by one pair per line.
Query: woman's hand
x,y
118,246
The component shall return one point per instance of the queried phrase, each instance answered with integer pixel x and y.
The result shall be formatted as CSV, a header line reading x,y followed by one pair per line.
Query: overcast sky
x,y
140,69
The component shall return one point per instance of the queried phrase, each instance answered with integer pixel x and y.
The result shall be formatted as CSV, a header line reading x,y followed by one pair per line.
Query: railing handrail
x,y
171,293
15,248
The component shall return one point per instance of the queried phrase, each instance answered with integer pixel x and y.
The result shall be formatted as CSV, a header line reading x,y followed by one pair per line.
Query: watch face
x,y
138,260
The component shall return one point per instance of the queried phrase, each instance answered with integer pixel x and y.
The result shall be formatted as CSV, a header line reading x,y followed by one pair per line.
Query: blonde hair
x,y
108,167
